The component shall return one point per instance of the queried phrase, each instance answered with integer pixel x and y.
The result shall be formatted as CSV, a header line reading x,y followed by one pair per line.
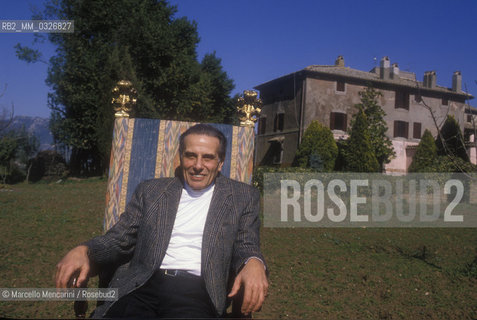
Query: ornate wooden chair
x,y
149,148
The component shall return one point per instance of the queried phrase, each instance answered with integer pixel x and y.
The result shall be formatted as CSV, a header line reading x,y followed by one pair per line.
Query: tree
x,y
8,142
28,146
450,141
222,108
6,117
137,40
317,149
426,154
8,148
382,145
17,148
452,156
359,155
48,165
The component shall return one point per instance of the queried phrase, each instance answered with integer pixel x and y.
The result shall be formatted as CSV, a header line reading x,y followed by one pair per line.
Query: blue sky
x,y
260,40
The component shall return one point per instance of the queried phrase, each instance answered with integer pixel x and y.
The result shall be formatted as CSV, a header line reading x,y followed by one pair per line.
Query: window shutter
x,y
416,134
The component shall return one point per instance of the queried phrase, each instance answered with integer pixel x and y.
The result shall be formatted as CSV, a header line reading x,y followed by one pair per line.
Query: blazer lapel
x,y
218,205
166,215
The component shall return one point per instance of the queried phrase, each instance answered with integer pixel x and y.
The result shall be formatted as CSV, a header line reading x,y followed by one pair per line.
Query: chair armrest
x,y
80,308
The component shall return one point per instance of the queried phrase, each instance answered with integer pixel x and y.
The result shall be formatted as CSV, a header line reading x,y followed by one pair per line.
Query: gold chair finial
x,y
124,98
250,105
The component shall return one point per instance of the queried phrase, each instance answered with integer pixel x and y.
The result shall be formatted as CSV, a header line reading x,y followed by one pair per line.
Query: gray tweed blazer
x,y
141,236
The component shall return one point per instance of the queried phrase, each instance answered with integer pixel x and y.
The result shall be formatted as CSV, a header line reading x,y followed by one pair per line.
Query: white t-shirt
x,y
185,247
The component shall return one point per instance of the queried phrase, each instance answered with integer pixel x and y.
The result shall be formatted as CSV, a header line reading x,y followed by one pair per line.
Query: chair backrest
x,y
149,148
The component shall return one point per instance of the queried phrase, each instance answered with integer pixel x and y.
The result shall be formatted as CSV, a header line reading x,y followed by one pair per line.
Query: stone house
x,y
328,93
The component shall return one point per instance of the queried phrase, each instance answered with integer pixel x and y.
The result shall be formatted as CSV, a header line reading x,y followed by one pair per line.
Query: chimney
x,y
457,81
384,70
339,62
430,79
395,71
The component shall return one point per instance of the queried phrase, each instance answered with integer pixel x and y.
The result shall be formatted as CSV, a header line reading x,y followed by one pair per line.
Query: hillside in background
x,y
36,126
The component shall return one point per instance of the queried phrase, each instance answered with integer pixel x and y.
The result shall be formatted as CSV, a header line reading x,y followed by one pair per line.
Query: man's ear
x,y
221,164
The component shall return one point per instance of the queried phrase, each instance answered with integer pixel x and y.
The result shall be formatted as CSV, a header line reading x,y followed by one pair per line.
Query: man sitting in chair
x,y
181,236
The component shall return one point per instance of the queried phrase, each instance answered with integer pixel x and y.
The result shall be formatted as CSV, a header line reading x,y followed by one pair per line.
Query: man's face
x,y
200,160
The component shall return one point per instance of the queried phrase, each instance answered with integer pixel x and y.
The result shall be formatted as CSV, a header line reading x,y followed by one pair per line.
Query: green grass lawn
x,y
314,273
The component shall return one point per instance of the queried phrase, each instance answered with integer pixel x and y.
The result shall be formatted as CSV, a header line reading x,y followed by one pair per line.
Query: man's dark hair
x,y
207,130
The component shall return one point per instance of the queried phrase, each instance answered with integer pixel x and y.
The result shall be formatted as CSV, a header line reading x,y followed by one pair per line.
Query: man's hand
x,y
254,281
75,264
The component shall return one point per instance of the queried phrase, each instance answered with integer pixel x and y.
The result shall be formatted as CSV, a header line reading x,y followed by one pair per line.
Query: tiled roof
x,y
374,76
343,71
407,79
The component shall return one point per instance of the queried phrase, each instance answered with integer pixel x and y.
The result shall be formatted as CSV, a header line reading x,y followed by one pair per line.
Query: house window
x,y
279,122
469,135
338,121
469,118
402,99
277,154
401,129
340,86
262,125
416,132
445,101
